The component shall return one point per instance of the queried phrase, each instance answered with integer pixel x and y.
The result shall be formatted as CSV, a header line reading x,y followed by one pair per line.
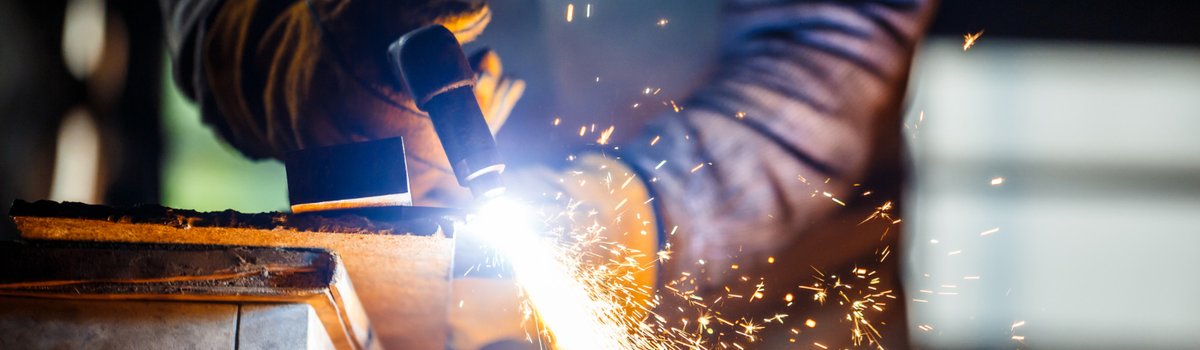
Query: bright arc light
x,y
565,306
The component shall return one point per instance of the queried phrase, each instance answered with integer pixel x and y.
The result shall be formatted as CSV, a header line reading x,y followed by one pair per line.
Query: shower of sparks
x,y
570,12
548,279
578,287
969,39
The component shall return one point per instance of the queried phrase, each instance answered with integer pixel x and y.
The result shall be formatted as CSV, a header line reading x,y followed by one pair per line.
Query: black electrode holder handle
x,y
431,64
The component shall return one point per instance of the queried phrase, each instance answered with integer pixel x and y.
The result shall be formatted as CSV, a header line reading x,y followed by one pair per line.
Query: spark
x,y
605,135
662,22
588,14
777,318
969,39
810,323
881,212
697,167
557,121
988,232
570,12
655,140
997,181
1017,324
582,130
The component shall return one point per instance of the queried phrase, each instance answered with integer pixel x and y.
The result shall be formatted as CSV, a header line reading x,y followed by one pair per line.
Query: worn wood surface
x,y
402,279
115,271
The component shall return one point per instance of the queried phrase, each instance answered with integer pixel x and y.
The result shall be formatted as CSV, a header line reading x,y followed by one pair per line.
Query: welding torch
x,y
431,64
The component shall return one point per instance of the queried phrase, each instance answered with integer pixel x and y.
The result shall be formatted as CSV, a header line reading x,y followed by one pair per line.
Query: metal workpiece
x,y
431,64
360,174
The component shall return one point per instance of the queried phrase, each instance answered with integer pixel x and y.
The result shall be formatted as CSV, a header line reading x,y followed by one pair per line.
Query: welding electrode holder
x,y
431,64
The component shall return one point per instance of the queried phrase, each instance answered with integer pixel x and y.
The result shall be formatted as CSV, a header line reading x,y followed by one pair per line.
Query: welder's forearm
x,y
800,85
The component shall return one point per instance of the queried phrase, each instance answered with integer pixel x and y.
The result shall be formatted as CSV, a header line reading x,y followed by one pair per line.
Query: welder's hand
x,y
317,75
497,94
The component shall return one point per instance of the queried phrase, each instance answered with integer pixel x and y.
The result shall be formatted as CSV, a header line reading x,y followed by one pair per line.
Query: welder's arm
x,y
800,87
275,76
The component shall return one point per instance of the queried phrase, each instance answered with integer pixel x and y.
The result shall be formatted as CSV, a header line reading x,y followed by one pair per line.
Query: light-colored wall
x,y
1097,214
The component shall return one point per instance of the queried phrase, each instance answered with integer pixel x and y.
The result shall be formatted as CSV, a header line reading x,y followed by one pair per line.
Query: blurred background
x,y
1054,199
1056,177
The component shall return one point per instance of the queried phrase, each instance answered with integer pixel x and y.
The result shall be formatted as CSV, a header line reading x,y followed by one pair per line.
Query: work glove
x,y
317,75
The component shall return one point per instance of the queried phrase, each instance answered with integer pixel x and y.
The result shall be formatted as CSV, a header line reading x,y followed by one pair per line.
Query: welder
x,y
806,91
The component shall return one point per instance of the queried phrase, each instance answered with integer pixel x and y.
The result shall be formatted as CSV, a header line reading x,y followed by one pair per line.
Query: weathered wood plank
x,y
402,279
112,271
